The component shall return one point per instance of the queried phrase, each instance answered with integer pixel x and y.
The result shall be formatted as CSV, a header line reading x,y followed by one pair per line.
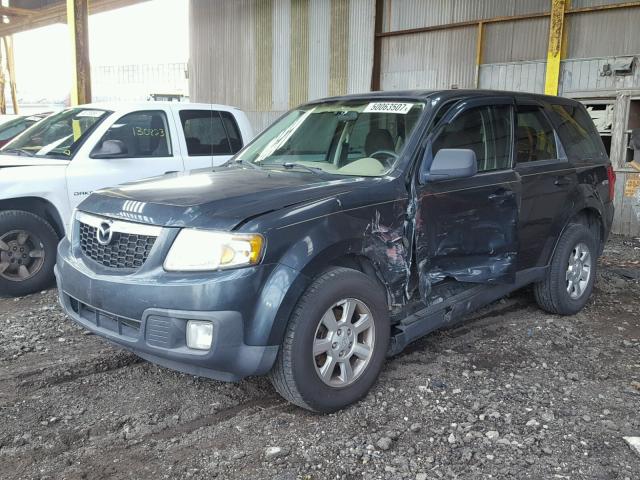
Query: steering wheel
x,y
391,156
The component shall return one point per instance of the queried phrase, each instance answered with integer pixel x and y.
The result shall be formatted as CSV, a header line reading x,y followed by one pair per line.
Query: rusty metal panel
x,y
360,48
627,201
601,34
515,41
585,75
517,77
403,14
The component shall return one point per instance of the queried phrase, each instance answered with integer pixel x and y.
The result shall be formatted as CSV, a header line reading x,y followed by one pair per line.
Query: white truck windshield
x,y
57,136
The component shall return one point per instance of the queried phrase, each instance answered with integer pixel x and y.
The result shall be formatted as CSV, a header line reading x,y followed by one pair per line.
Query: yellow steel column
x,y
479,40
11,67
554,49
78,21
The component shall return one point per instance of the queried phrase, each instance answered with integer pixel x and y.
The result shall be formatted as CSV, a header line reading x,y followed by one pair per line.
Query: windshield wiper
x,y
18,151
292,165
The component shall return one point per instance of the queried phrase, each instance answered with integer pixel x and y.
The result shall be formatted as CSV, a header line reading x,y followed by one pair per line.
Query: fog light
x,y
199,334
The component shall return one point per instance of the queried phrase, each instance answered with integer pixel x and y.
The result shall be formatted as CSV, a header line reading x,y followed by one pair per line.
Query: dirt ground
x,y
511,393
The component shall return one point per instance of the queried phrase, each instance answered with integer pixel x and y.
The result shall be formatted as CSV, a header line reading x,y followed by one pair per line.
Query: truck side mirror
x,y
110,149
450,163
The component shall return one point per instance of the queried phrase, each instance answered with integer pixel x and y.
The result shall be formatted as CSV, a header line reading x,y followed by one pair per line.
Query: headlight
x,y
200,250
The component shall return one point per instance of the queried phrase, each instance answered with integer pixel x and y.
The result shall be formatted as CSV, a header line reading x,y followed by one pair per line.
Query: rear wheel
x,y
570,278
335,343
27,253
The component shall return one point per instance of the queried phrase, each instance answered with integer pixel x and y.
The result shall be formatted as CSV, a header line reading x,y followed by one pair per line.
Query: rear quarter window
x,y
577,133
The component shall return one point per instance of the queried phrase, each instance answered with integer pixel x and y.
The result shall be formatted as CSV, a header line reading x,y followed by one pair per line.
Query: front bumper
x,y
147,314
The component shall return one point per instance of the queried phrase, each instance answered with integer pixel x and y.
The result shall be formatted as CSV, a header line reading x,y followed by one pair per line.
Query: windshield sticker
x,y
90,113
388,107
32,119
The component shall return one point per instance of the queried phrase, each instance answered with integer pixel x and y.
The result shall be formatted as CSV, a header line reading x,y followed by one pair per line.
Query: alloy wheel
x,y
21,255
578,270
344,342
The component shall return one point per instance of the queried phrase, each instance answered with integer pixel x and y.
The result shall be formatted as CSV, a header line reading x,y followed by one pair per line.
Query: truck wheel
x,y
335,343
571,275
27,253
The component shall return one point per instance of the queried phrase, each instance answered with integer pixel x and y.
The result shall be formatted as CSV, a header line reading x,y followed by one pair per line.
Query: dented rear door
x,y
466,229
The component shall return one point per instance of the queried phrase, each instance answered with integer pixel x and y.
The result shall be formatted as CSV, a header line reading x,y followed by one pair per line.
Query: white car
x,y
50,168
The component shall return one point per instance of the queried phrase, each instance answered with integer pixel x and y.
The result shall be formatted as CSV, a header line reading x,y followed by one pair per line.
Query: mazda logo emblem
x,y
104,233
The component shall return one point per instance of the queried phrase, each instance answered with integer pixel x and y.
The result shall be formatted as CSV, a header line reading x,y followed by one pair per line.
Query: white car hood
x,y
19,161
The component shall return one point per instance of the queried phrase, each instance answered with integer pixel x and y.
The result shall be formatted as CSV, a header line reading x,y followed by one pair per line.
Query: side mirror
x,y
110,149
450,163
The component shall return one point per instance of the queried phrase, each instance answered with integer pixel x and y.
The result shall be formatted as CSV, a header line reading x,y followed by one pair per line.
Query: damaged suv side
x,y
348,229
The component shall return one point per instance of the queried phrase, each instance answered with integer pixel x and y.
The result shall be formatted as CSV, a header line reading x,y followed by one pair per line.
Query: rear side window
x,y
208,132
486,131
576,133
144,134
535,139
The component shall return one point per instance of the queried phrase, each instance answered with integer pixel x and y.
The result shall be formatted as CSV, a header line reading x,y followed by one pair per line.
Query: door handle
x,y
562,181
170,171
501,195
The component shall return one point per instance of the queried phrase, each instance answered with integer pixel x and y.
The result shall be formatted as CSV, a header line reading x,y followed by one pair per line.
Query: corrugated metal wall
x,y
266,56
403,14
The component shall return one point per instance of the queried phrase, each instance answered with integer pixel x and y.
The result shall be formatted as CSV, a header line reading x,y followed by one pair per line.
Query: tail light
x,y
612,182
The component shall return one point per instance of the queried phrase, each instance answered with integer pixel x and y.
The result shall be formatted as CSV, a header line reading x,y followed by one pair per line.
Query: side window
x,y
233,132
534,135
205,133
486,131
576,131
144,134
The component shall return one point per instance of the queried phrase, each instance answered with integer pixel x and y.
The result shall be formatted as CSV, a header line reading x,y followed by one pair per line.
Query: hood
x,y
20,161
219,199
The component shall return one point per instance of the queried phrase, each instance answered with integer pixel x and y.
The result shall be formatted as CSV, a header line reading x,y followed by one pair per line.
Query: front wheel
x,y
335,343
570,278
27,253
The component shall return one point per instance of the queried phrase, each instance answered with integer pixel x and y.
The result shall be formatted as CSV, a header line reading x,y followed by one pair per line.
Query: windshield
x,y
359,138
57,136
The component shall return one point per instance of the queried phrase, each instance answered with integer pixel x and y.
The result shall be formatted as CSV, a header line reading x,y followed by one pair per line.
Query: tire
x,y
296,373
552,293
36,252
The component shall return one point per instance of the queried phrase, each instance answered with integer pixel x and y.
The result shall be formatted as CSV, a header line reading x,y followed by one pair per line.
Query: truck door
x,y
210,137
146,148
466,228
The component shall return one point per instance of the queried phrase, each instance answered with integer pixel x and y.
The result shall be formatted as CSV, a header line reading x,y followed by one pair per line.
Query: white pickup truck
x,y
51,167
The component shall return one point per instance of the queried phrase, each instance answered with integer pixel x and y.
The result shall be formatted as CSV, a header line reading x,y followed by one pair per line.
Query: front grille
x,y
126,250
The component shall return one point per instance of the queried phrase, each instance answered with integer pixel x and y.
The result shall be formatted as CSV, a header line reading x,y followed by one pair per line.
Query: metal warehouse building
x,y
266,56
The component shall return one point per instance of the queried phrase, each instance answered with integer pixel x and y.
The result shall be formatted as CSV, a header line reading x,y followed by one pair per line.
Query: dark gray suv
x,y
348,229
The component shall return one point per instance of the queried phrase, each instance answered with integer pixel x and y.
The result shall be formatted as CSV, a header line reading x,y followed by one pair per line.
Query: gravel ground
x,y
511,393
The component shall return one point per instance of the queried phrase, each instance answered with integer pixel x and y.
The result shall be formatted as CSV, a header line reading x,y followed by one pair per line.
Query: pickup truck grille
x,y
125,250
